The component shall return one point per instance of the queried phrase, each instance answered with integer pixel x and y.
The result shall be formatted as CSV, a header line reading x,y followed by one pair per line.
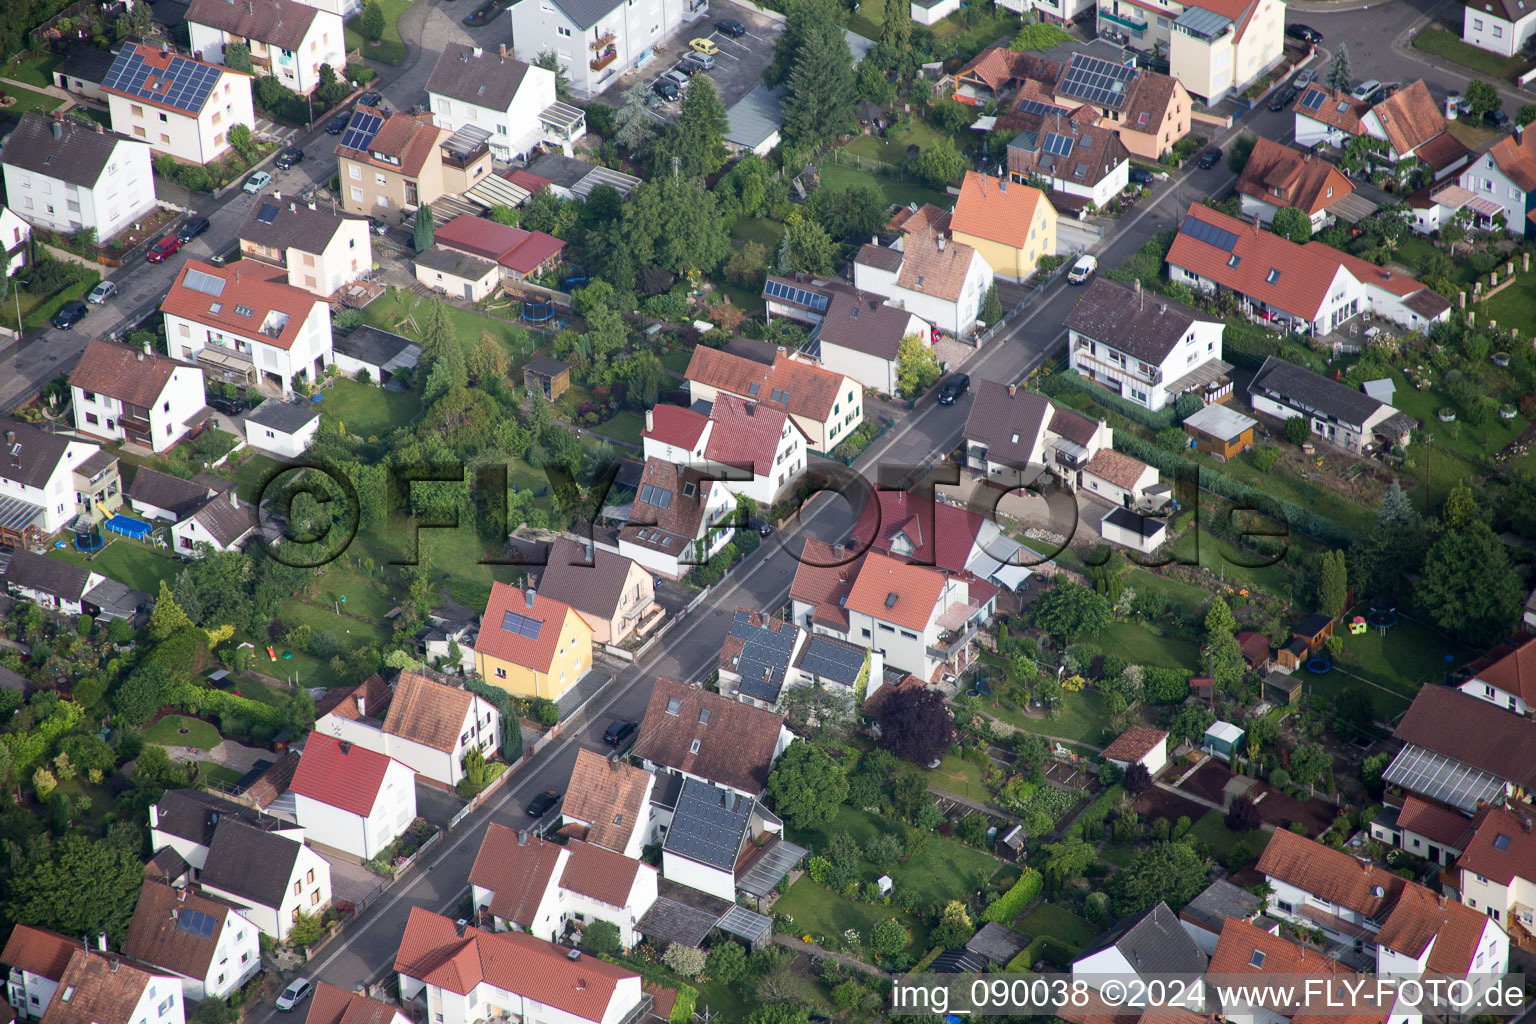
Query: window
x,y
866,634
244,957
1498,32
314,897
563,31
356,172
135,110
139,132
296,887
383,202
379,179
169,1002
165,140
90,418
357,194
501,673
309,878
163,118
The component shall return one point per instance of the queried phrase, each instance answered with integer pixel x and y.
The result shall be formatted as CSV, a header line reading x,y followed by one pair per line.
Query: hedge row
x,y
1098,810
28,748
511,732
41,315
201,700
1041,947
1067,380
1007,906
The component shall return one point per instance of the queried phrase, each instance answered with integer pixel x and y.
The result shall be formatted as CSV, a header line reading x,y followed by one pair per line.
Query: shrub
x,y
1265,459
685,961
1007,906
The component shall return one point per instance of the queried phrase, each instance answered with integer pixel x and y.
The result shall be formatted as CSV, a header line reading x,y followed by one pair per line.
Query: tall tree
x,y
185,595
896,27
1332,583
1340,76
370,24
991,306
703,123
1395,508
807,786
1171,872
167,618
1310,765
1071,612
1468,586
916,725
426,230
439,345
1460,507
809,17
634,124
102,882
806,247
819,102
1222,654
1292,223
917,368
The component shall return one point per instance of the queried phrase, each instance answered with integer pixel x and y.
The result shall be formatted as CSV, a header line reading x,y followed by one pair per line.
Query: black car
x,y
687,67
70,315
228,406
288,157
370,99
191,229
1283,98
1496,118
953,388
1142,177
337,124
665,89
1210,158
762,527
539,805
1305,33
619,732
730,27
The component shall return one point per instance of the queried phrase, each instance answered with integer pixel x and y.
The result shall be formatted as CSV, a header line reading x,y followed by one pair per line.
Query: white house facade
x,y
190,123
353,799
511,101
596,43
64,176
287,39
1498,26
942,281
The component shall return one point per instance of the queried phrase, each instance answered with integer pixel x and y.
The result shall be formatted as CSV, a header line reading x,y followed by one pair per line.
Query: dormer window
x,y
693,748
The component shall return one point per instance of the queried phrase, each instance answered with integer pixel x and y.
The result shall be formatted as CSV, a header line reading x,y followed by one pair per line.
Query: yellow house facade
x,y
1011,225
531,645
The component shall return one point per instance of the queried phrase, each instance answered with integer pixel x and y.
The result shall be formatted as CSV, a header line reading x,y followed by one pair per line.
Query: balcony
x,y
1114,370
604,59
604,41
952,641
1123,21
640,609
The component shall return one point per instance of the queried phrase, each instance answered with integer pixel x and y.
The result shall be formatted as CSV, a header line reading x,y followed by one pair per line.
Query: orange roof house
x,y
1012,226
531,645
1277,176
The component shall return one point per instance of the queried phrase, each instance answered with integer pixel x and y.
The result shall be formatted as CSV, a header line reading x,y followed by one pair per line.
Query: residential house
x,y
242,321
1334,412
709,837
50,582
209,944
38,958
1218,48
854,333
1506,676
818,595
451,272
680,518
1012,229
15,239
995,74
547,378
1497,870
1152,942
1310,288
513,102
377,354
1423,829
1149,111
98,987
841,669
824,404
530,644
286,39
518,252
920,620
1409,122
942,281
1146,349
596,43
1407,929
157,495
1219,430
38,486
1204,918
701,735
757,658
1014,437
66,176
355,713
1504,177
613,593
183,107
745,436
607,803
332,1005
527,884
391,164
321,249
284,429
351,798
1459,750
184,821
1141,745
1277,177
432,726
954,540
1083,165
1131,529
82,71
1499,26
1122,480
122,393
223,523
465,976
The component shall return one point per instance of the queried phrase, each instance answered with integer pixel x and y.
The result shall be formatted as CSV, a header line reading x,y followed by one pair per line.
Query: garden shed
x,y
1282,688
1221,740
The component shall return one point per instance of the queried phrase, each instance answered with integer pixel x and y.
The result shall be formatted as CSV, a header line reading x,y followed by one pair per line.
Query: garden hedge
x,y
511,732
1007,906
29,748
1067,380
41,315
206,701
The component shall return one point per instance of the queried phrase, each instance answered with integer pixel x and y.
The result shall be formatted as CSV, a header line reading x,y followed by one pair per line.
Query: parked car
x,y
730,27
71,314
618,732
297,991
1306,78
378,226
163,248
1139,176
1210,158
665,87
288,157
227,406
1283,99
1305,33
191,229
337,124
370,99
762,527
951,390
704,46
102,292
1084,268
1496,118
541,804
701,60
687,69
258,181
1368,91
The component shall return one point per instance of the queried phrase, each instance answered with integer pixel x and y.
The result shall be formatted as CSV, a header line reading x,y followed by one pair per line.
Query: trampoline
x,y
128,527
538,312
88,537
1319,666
1382,618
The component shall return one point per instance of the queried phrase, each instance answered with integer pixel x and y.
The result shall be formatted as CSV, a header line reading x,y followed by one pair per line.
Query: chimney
x,y
581,984
1002,183
1013,389
1525,823
101,941
522,837
346,747
479,52
181,897
141,357
940,240
234,499
528,596
781,350
503,52
112,965
650,421
1162,307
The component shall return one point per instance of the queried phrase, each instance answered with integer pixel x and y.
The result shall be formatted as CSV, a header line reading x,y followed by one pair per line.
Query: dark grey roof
x,y
274,224
1008,424
80,156
1123,317
455,263
958,961
545,366
227,519
765,656
249,863
193,815
87,63
288,417
1153,942
682,913
669,786
31,455
565,171
1220,900
1305,391
488,80
754,118
709,824
1140,525
595,587
1312,625
371,345
47,575
179,497
864,323
828,658
997,942
586,13
116,600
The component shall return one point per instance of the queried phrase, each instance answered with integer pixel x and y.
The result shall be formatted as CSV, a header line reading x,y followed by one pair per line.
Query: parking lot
x,y
738,66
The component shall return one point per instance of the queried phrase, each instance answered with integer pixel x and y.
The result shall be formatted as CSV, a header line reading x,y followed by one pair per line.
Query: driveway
x,y
738,66
437,805
351,881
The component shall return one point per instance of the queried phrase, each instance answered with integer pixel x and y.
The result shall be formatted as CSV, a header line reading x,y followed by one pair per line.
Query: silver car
x,y
703,60
294,994
101,293
677,78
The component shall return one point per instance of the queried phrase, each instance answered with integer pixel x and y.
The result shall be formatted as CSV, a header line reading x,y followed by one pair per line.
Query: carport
x,y
770,868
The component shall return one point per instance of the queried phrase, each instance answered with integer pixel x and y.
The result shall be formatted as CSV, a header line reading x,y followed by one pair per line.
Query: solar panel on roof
x,y
1313,100
789,293
1057,145
200,281
267,214
522,625
1100,82
1036,107
184,84
1208,233
195,922
361,130
830,660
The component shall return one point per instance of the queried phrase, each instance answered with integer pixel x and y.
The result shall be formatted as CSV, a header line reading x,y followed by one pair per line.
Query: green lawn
x,y
390,310
181,731
1212,830
1138,644
1439,42
100,796
1231,564
1461,435
626,426
837,177
127,561
1185,595
761,230
1334,685
390,49
28,99
1060,924
218,773
313,671
938,870
367,411
365,596
1082,716
819,913
36,69
893,148
252,474
1408,656
677,360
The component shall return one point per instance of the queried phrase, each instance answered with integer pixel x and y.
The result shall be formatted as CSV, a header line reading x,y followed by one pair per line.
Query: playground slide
x,y
105,515
271,654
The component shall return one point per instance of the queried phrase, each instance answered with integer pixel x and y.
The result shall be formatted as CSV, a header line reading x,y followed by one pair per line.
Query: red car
x,y
163,248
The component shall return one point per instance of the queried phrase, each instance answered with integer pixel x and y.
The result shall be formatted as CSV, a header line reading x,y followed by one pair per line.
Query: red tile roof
x,y
736,746
1116,467
1422,917
1511,669
824,577
1255,646
941,535
1304,181
107,991
1330,874
677,426
515,248
602,874
342,701
1006,217
1517,858
516,868
332,1005
528,180
1434,823
155,938
1240,940
1135,743
609,795
1337,109
537,653
1409,118
1471,731
123,372
746,434
893,591
432,951
248,285
340,774
39,951
429,712
411,139
1515,155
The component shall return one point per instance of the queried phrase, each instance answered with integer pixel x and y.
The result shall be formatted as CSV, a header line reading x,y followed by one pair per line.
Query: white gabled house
x,y
1498,26
353,799
940,280
511,101
596,41
37,471
288,40
737,437
125,394
210,944
1506,676
183,107
65,176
